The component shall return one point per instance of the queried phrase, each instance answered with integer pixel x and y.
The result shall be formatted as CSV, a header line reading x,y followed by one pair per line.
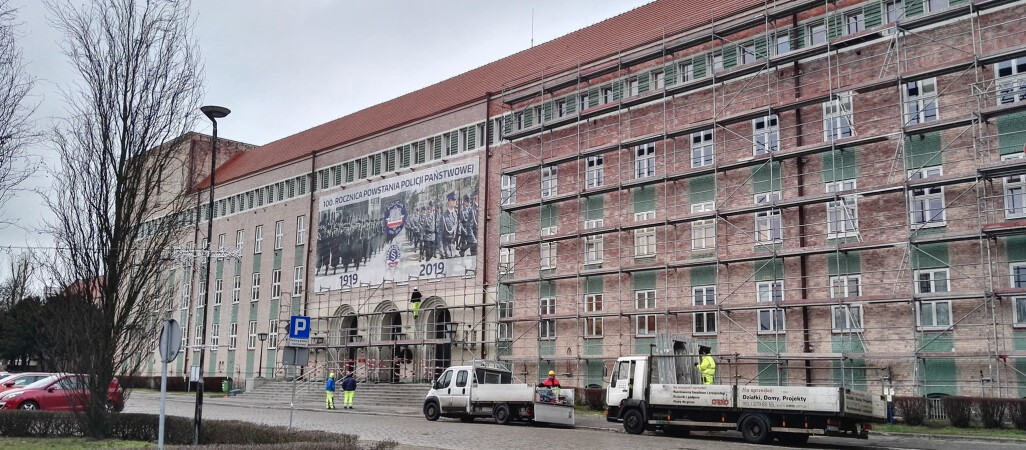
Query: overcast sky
x,y
286,66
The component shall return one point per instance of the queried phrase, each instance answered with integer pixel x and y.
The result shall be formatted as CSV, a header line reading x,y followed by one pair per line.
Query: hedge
x,y
913,409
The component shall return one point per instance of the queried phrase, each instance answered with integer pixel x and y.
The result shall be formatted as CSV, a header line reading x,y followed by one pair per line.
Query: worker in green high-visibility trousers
x,y
348,391
707,366
415,302
329,387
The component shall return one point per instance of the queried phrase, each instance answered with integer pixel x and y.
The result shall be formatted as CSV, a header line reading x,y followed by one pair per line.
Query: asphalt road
x,y
412,431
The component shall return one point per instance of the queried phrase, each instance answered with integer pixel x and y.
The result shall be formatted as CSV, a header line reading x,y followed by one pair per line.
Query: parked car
x,y
18,381
59,392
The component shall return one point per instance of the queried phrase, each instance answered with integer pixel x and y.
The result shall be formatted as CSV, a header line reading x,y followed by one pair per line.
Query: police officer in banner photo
x,y
450,226
468,228
430,232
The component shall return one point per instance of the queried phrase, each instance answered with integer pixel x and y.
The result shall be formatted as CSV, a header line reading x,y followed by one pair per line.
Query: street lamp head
x,y
215,112
262,336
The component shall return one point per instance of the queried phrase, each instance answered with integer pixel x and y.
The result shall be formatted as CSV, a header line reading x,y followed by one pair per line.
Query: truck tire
x,y
502,415
756,429
634,422
793,438
431,411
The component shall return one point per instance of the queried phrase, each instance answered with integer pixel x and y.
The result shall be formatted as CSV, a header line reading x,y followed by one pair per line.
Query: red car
x,y
59,392
20,380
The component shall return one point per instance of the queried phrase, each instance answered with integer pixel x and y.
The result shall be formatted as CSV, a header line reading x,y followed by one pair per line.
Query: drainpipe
x,y
309,240
481,245
803,259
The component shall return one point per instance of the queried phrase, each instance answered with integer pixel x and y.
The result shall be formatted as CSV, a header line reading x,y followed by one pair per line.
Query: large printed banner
x,y
420,225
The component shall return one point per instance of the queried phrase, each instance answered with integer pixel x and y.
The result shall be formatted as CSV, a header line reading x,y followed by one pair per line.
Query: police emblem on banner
x,y
395,218
392,255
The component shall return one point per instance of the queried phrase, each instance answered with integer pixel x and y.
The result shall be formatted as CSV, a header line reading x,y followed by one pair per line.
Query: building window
x,y
594,171
645,299
593,249
934,315
766,134
236,288
1018,274
927,203
258,243
233,335
645,325
702,148
547,306
505,332
817,33
783,43
300,230
549,177
215,336
935,5
507,256
218,289
197,340
930,281
632,87
746,52
1011,81
855,22
658,79
687,71
508,193
276,284
560,108
644,160
272,333
279,233
769,291
716,61
1019,311
297,281
703,232
768,226
771,321
251,343
1015,192
842,214
921,101
607,94
584,102
220,242
845,286
705,321
186,293
548,255
547,329
846,318
895,10
837,118
592,303
592,327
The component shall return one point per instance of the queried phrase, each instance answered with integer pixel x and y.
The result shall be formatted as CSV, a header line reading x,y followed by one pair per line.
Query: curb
x,y
951,437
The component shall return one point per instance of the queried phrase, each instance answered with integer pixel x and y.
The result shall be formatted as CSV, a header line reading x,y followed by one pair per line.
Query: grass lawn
x,y
588,411
942,428
68,443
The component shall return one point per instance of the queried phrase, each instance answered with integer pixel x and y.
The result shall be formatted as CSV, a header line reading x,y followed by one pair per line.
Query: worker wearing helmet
x,y
329,387
707,366
551,393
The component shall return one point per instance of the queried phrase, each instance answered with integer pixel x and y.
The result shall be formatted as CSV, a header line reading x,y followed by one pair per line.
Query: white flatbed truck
x,y
482,390
790,414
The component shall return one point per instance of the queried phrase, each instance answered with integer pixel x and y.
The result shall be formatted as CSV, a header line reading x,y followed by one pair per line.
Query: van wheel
x,y
756,429
793,438
431,411
502,415
634,422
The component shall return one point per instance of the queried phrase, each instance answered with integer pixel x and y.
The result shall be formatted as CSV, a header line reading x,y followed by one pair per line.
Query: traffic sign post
x,y
297,353
170,344
299,331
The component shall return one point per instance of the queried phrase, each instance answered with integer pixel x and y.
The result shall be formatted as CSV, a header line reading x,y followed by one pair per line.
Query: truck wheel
x,y
431,411
502,415
634,422
793,438
756,429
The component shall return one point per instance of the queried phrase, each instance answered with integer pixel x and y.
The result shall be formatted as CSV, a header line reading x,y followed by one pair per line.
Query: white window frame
x,y
933,324
1014,188
843,213
646,325
592,327
251,343
716,62
584,100
258,242
765,135
777,323
197,338
703,148
769,226
816,33
507,258
845,286
854,22
297,281
593,303
781,43
746,53
645,299
549,181
505,331
838,118
632,87
254,288
769,291
921,104
593,249
272,333
644,160
645,242
594,171
508,190
893,11
548,252
686,71
658,80
1012,268
703,232
853,318
704,296
1019,312
928,279
1010,87
930,6
300,230
922,200
560,108
215,336
275,284
218,290
186,294
546,306
547,329
279,234
240,239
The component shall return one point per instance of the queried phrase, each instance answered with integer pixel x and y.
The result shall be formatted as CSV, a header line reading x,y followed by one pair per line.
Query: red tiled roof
x,y
631,29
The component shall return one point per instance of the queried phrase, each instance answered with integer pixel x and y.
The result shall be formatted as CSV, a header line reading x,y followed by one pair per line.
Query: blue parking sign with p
x,y
299,327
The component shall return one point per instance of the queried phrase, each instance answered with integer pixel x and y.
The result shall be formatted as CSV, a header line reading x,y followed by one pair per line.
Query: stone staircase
x,y
408,397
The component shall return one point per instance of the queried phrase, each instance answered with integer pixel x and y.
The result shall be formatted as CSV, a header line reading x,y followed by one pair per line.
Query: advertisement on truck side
x,y
789,398
712,395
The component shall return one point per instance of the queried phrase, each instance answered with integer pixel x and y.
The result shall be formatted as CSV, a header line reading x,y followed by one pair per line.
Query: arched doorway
x,y
436,322
348,330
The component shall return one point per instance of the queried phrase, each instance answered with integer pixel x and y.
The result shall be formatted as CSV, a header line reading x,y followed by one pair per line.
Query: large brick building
x,y
824,192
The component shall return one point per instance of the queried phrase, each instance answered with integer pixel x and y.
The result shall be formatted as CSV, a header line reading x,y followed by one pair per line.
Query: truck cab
x,y
622,384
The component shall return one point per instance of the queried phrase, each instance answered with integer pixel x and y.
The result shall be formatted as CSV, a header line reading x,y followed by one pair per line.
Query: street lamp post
x,y
260,368
213,113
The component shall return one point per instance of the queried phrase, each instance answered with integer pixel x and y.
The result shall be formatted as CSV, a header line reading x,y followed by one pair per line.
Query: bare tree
x,y
15,130
117,217
17,286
